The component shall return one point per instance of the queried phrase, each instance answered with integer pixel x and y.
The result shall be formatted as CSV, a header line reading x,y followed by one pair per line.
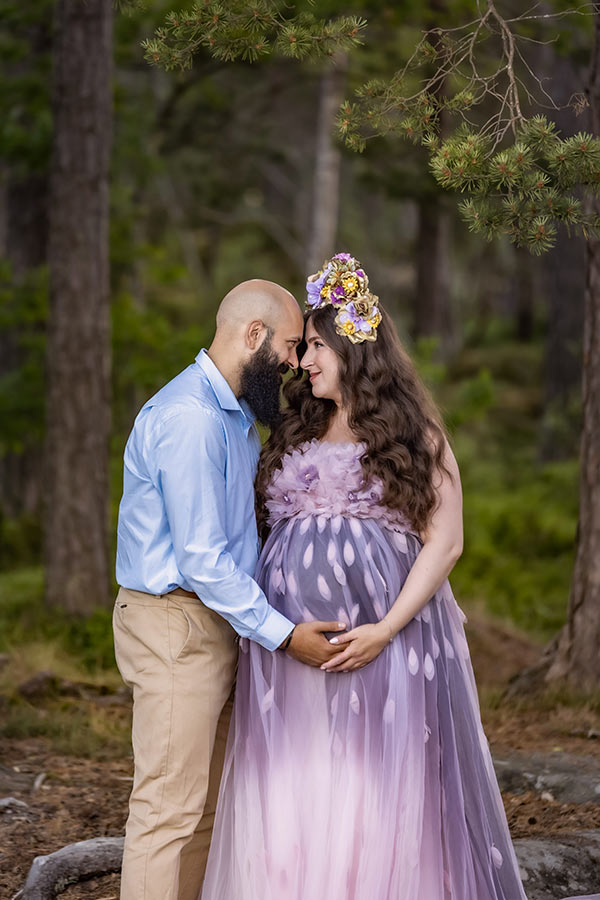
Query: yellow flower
x,y
350,283
326,291
348,327
375,320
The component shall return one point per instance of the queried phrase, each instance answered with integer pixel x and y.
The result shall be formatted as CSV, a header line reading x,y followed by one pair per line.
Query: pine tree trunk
x,y
563,285
432,312
432,316
326,190
577,656
525,290
78,354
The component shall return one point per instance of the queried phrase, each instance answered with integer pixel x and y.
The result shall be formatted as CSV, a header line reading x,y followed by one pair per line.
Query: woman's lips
x,y
314,375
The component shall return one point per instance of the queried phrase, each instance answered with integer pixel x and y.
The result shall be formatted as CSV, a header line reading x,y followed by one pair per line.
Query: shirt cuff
x,y
273,631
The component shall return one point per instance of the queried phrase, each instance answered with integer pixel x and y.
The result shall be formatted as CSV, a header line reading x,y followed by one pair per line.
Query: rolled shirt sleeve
x,y
190,457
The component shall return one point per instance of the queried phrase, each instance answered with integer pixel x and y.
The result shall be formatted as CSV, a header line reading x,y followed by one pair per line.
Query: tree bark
x,y
576,657
326,191
432,317
563,280
78,350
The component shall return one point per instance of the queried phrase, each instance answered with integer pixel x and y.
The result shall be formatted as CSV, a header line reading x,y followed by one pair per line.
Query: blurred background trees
x,y
232,169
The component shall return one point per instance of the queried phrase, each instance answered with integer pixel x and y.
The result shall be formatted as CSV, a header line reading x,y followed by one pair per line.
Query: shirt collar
x,y
222,388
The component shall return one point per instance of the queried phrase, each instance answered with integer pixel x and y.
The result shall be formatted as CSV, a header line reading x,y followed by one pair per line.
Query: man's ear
x,y
254,333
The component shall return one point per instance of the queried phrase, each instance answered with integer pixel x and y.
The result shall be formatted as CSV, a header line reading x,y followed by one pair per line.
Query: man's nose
x,y
293,358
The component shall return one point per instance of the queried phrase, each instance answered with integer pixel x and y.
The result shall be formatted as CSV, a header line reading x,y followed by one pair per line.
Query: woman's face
x,y
323,366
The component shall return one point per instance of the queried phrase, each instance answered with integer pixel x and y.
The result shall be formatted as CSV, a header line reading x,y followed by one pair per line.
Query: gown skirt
x,y
376,784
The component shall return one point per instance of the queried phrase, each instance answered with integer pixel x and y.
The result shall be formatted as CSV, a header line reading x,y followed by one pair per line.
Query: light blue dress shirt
x,y
186,518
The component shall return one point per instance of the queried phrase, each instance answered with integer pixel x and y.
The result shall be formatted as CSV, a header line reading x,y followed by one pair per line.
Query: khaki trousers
x,y
179,658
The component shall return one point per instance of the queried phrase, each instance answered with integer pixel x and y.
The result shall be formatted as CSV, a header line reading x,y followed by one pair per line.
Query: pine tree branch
x,y
248,31
518,173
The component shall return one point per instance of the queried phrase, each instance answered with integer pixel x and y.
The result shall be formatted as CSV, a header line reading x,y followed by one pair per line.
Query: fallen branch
x,y
52,874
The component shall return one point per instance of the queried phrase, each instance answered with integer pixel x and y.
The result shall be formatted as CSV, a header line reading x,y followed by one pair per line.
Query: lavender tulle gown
x,y
371,785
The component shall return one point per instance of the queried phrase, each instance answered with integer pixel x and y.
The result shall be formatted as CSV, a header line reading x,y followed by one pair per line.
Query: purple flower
x,y
351,496
308,475
360,273
349,314
344,256
338,295
313,288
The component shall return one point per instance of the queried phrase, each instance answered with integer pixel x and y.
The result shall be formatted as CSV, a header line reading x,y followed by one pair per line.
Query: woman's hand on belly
x,y
363,644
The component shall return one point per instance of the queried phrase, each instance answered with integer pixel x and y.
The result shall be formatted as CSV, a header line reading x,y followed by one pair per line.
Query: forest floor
x,y
79,798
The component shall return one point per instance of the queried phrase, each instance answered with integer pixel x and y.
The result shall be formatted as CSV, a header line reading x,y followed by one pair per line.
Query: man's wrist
x,y
288,641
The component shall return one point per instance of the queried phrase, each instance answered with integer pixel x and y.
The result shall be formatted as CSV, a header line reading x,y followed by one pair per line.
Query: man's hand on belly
x,y
309,644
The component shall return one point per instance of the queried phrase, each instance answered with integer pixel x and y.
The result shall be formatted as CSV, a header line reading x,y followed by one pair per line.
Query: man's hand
x,y
309,644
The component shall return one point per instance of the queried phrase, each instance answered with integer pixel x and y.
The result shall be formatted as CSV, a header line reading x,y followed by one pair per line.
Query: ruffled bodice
x,y
321,478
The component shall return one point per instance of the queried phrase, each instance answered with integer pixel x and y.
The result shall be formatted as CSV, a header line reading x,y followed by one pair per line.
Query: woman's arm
x,y
442,546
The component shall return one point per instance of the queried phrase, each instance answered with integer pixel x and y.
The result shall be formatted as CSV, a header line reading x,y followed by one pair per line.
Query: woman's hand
x,y
363,645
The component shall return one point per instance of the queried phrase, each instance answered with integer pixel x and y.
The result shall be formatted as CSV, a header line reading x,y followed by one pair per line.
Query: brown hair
x,y
390,410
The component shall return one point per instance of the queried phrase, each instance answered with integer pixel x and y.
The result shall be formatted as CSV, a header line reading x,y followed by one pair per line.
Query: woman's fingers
x,y
341,638
338,661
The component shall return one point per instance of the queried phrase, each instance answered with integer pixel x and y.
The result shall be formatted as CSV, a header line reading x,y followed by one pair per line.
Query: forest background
x,y
231,170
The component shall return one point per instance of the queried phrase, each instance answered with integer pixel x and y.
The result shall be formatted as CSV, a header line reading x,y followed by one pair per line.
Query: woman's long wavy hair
x,y
389,409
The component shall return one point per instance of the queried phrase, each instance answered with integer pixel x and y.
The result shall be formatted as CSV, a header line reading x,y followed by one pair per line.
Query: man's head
x,y
259,327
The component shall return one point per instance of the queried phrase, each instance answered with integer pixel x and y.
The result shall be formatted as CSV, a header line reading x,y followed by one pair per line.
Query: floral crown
x,y
344,284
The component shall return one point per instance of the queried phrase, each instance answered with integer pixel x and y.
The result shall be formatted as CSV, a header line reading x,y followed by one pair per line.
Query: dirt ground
x,y
82,798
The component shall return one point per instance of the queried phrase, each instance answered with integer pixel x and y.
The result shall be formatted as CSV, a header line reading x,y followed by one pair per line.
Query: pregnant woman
x,y
370,779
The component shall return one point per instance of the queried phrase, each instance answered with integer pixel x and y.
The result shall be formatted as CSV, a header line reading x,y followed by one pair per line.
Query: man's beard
x,y
261,383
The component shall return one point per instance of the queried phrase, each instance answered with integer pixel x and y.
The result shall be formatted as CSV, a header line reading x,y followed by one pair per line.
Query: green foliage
x,y
520,522
73,728
23,310
25,117
20,540
520,515
247,31
524,190
474,399
24,619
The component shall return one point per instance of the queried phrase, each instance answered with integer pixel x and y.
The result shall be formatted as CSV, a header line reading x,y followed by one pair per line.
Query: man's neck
x,y
228,367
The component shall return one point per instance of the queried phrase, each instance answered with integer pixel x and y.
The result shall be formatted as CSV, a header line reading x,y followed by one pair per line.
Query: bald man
x,y
186,552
